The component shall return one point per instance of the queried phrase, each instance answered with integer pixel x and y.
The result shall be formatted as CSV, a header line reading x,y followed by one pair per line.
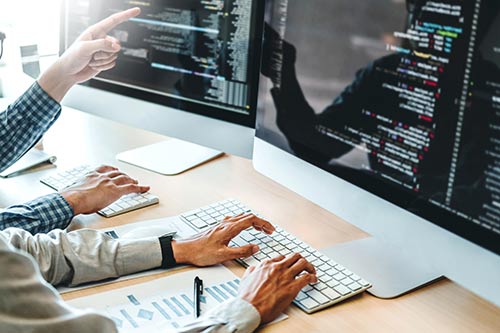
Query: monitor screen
x,y
398,97
198,56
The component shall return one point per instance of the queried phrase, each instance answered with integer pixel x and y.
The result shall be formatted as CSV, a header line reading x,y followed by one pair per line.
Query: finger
x,y
133,188
276,259
241,252
236,217
303,281
102,28
246,222
104,68
103,55
249,271
105,168
291,259
124,180
300,266
113,173
265,226
103,62
100,45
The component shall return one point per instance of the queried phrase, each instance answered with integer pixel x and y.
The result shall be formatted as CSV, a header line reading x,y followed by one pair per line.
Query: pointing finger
x,y
99,30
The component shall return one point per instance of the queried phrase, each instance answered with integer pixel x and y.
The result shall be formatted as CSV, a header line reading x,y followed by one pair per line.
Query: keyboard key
x,y
307,288
251,261
247,237
198,223
300,296
339,276
347,281
354,286
342,290
320,286
309,303
318,296
363,283
331,294
333,283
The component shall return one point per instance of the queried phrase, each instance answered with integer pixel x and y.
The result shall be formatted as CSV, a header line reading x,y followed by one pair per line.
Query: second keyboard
x,y
127,203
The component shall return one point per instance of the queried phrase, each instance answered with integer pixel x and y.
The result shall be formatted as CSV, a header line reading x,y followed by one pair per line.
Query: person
x,y
33,264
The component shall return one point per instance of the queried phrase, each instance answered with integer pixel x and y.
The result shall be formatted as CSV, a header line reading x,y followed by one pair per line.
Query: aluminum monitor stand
x,y
171,157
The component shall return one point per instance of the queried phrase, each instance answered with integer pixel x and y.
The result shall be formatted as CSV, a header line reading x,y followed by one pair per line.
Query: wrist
x,y
73,199
55,82
182,252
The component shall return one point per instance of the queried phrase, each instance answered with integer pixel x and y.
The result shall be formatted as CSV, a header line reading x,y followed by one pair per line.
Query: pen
x,y
198,291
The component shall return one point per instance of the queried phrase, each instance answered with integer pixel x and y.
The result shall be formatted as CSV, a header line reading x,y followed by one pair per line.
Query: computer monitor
x,y
386,113
187,68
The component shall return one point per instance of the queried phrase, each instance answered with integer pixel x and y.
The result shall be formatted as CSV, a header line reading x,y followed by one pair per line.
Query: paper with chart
x,y
165,303
149,228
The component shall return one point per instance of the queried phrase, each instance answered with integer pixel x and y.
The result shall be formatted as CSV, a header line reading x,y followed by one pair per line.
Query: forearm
x,y
55,82
24,122
40,215
85,255
28,304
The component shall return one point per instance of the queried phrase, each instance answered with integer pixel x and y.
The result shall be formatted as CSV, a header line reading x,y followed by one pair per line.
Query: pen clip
x,y
199,284
172,233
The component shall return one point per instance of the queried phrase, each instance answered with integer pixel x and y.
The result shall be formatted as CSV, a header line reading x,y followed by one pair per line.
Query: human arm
x,y
93,52
240,315
27,119
93,192
29,304
24,122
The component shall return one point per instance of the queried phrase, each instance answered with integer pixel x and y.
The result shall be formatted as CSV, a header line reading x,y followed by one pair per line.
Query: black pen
x,y
198,291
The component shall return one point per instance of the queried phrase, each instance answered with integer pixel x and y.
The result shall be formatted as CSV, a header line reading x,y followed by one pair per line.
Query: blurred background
x,y
32,28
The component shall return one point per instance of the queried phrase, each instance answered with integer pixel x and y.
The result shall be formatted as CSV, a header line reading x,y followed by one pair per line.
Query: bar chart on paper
x,y
162,304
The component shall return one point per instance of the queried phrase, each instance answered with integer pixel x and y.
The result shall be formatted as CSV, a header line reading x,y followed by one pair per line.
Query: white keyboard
x,y
335,282
127,203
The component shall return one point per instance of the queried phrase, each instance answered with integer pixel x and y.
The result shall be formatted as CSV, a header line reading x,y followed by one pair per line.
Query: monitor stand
x,y
170,157
393,271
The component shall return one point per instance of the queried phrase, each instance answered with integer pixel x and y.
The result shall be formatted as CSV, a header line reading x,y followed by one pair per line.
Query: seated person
x,y
30,264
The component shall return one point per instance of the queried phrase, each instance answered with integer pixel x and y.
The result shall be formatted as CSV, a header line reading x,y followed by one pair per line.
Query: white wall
x,y
29,22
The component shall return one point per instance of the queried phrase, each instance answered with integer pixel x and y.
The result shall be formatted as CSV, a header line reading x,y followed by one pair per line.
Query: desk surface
x,y
78,138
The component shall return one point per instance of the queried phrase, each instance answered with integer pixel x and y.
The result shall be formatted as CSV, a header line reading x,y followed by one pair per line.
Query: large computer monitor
x,y
387,114
187,69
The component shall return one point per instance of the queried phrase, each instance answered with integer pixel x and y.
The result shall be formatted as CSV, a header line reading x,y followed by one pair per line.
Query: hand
x,y
93,52
99,189
212,246
271,286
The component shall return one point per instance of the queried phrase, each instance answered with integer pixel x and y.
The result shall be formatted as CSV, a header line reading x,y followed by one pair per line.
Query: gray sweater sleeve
x,y
29,304
85,255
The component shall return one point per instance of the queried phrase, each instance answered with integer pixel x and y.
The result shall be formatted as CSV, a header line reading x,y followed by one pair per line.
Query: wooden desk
x,y
79,138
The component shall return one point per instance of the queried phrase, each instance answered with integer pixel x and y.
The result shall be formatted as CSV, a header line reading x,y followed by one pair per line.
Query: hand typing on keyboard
x,y
212,246
273,284
100,188
335,284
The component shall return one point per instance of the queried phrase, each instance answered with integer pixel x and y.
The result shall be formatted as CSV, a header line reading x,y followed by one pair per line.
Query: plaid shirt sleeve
x,y
21,126
24,123
38,216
